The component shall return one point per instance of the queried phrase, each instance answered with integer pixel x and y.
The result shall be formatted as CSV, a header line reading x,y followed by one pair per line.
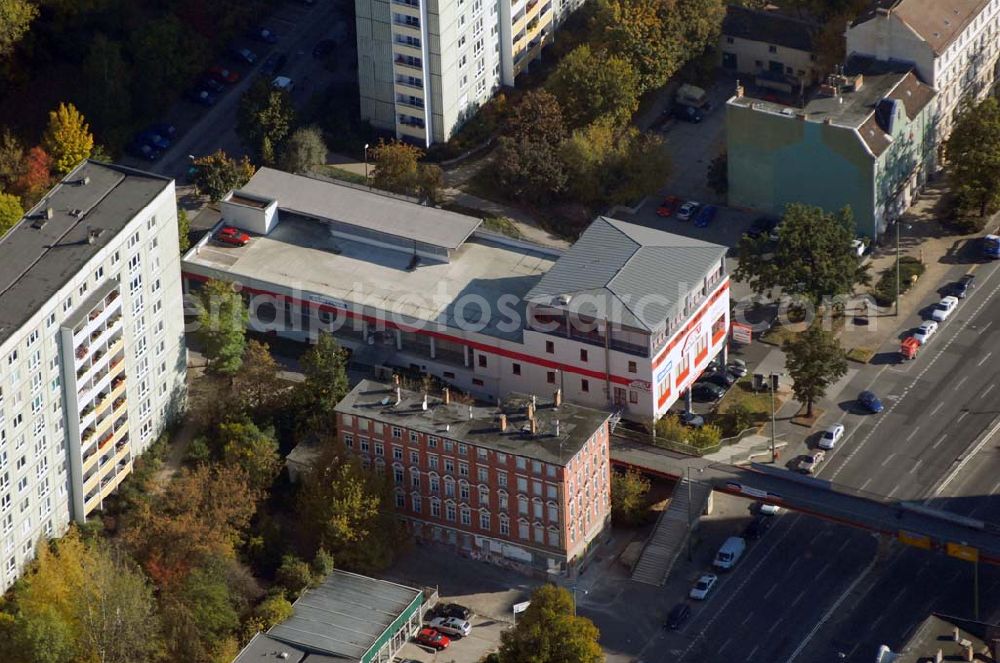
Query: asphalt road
x,y
812,590
299,28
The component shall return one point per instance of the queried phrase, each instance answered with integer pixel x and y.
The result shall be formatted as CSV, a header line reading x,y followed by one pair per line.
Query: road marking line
x,y
893,491
826,567
752,652
775,625
985,358
961,382
724,644
962,415
939,440
770,591
995,488
887,459
985,327
912,433
799,597
936,408
792,565
969,455
747,618
865,484
917,465
987,390
833,608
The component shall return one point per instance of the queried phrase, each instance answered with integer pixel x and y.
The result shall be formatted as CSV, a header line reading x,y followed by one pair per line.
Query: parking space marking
x,y
887,460
912,433
770,591
936,408
961,415
865,484
961,382
775,625
986,357
752,652
724,644
987,390
747,618
916,465
939,441
799,597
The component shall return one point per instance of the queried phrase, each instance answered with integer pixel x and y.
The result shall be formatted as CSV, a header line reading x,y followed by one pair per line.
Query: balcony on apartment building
x,y
409,62
410,81
410,100
107,309
406,21
588,330
412,122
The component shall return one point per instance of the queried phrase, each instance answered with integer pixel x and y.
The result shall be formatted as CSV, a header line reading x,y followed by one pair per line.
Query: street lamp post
x,y
897,269
975,589
772,379
574,598
689,533
366,167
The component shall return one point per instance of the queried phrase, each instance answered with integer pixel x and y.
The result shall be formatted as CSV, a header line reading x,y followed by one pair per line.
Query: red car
x,y
234,236
428,637
224,75
668,206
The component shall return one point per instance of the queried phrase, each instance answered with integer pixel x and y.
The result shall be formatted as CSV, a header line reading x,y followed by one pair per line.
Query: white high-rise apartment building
x,y
92,355
425,66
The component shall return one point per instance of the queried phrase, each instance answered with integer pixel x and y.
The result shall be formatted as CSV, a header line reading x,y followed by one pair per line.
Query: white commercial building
x,y
425,66
953,44
626,319
92,355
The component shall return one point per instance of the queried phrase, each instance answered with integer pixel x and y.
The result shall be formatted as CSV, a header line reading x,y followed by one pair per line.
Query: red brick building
x,y
527,481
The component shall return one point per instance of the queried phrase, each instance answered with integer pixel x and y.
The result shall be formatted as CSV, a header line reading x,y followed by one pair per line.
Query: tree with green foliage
x,y
305,149
217,174
222,323
628,498
325,384
67,138
15,20
607,166
669,428
80,601
397,168
10,212
199,617
595,87
528,163
973,152
273,610
253,449
12,155
166,56
814,256
705,437
741,418
257,387
295,575
183,230
815,360
265,119
346,510
108,86
550,632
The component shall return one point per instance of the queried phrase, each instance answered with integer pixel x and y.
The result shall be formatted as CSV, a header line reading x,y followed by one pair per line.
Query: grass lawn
x,y
502,225
860,355
339,173
757,403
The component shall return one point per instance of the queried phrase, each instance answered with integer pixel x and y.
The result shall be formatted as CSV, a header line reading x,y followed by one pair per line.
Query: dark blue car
x,y
870,402
152,139
164,129
143,151
705,216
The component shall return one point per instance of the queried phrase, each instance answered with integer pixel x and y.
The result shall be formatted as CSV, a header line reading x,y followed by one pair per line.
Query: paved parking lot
x,y
485,638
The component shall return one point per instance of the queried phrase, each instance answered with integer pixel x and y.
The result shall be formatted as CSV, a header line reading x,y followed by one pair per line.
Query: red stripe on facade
x,y
695,319
663,398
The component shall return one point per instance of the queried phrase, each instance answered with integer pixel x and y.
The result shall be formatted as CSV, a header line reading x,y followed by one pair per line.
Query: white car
x,y
451,626
703,586
810,462
944,308
831,436
925,331
687,210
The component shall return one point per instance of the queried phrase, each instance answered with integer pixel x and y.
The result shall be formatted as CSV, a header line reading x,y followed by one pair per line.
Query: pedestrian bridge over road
x,y
910,523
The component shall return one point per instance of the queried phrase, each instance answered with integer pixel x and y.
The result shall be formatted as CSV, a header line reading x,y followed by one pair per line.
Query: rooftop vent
x,y
83,181
503,423
446,396
563,299
470,413
93,234
76,212
423,406
283,655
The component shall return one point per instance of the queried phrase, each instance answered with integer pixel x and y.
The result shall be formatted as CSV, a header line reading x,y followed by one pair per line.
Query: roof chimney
x,y
533,403
446,396
533,426
399,395
395,380
956,635
968,653
557,398
470,413
423,406
503,423
939,657
557,428
531,410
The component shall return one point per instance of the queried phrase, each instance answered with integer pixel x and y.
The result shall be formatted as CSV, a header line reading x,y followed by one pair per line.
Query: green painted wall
x,y
398,623
913,145
776,159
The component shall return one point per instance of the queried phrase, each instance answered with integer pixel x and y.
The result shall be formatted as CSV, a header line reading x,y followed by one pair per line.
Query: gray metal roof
x,y
36,262
371,210
627,274
262,648
377,401
345,616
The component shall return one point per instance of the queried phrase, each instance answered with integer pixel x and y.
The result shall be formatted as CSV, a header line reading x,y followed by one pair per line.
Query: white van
x,y
283,83
730,553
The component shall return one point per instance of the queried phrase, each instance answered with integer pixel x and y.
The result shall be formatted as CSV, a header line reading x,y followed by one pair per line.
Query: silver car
x,y
451,626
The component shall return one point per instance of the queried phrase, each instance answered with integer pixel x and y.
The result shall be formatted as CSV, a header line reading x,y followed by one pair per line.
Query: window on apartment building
x,y
482,474
550,377
583,355
522,529
477,382
550,347
585,386
397,453
449,512
632,368
400,501
772,49
416,503
482,361
397,433
729,40
484,521
379,449
502,479
414,458
516,369
633,396
522,484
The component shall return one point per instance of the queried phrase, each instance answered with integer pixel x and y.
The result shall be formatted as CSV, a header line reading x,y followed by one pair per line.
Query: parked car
x,y
324,47
944,308
266,35
764,509
809,462
451,610
273,64
925,331
707,392
869,401
668,206
691,419
737,367
756,528
704,585
705,216
244,54
688,113
234,236
141,150
201,96
831,436
762,225
677,616
687,210
164,129
211,84
964,285
724,379
428,637
223,75
451,626
152,139
283,83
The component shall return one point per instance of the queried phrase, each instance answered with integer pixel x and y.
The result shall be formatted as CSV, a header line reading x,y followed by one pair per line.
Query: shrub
x,y
884,291
705,437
